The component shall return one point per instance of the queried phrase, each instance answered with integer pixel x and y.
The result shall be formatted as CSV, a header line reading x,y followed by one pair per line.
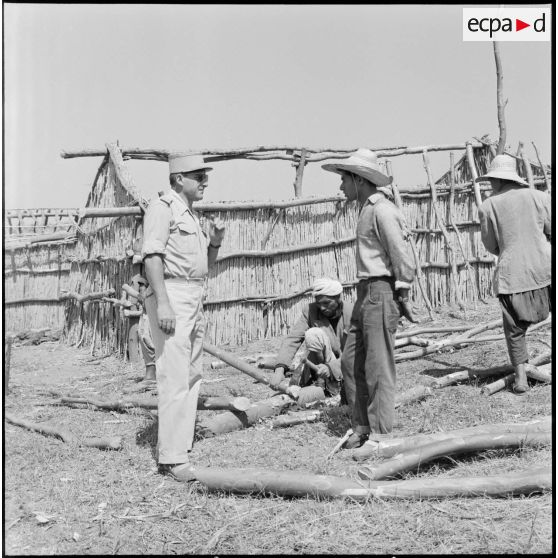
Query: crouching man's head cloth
x,y
327,287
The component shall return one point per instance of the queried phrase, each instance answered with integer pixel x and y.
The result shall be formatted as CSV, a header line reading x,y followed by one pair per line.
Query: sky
x,y
186,77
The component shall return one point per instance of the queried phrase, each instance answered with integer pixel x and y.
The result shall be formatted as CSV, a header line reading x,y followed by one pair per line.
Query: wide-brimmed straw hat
x,y
184,162
502,166
364,163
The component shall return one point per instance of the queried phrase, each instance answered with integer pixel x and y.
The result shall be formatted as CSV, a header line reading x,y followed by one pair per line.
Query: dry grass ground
x,y
65,500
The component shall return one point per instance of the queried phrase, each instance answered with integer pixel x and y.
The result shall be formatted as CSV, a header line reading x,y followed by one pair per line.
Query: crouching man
x,y
323,329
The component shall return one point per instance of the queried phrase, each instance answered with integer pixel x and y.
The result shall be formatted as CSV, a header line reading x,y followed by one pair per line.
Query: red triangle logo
x,y
519,25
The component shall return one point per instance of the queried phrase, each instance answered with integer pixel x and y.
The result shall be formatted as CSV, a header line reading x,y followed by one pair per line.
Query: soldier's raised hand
x,y
216,231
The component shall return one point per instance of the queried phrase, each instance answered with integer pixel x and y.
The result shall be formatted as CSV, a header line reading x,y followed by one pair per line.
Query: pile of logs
x,y
466,336
410,454
402,454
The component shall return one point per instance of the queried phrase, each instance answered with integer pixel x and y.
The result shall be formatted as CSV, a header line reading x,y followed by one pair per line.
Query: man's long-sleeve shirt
x,y
515,223
381,246
173,231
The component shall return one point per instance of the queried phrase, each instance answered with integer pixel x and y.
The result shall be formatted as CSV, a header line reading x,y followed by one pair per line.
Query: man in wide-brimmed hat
x,y
385,269
311,353
176,253
515,226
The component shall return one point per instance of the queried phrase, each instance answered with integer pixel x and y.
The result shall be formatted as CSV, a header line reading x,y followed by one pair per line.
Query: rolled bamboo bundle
x,y
390,447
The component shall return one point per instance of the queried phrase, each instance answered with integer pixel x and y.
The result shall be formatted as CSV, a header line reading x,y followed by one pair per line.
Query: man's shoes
x,y
520,388
182,472
355,440
366,451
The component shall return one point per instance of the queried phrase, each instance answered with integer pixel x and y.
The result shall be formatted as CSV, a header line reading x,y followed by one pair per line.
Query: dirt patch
x,y
65,500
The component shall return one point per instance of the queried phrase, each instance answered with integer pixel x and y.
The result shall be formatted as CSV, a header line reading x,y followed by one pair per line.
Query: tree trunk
x,y
507,381
205,403
390,447
411,459
301,484
502,486
416,393
464,375
300,417
231,421
500,99
114,442
242,365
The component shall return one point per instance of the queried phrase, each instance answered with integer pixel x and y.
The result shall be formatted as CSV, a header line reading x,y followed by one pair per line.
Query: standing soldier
x,y
176,254
515,226
385,270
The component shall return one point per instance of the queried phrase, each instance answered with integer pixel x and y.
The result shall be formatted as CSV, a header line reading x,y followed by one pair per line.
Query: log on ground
x,y
205,403
464,375
413,458
523,483
235,420
300,484
113,442
533,373
300,417
242,365
390,447
417,393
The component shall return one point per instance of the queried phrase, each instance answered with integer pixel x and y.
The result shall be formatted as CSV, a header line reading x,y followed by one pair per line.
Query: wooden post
x,y
299,172
8,340
546,179
468,268
449,246
474,173
500,99
526,166
399,204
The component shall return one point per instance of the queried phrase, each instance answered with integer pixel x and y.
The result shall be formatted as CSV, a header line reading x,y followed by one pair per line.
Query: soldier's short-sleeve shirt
x,y
172,230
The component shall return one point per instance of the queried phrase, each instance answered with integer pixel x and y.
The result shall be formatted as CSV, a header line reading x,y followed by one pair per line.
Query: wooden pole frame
x,y
449,245
399,204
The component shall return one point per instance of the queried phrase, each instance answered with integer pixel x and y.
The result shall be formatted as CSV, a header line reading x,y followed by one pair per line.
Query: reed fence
x,y
272,252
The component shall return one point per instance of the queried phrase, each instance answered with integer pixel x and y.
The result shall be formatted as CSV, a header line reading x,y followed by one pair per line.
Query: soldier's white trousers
x,y
179,368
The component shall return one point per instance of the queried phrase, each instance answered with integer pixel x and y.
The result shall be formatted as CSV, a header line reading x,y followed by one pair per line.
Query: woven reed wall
x,y
101,264
269,259
34,277
250,277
